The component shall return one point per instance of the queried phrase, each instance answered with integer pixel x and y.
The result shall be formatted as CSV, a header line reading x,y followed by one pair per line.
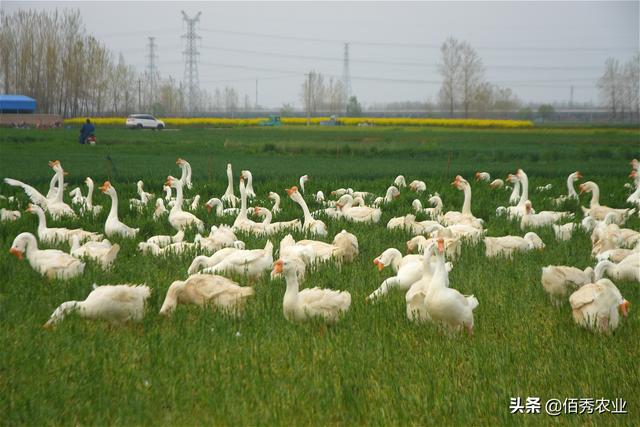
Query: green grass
x,y
374,367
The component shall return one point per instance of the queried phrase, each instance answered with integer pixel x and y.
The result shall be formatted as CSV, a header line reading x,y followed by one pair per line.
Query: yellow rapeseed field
x,y
298,121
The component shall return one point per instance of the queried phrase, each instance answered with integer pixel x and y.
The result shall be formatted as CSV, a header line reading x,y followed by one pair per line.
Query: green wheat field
x,y
374,367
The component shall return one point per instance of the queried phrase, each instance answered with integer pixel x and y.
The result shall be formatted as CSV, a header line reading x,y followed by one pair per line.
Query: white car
x,y
144,121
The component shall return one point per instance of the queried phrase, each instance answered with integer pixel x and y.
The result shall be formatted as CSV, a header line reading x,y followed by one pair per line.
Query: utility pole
x,y
190,60
308,99
571,97
139,95
346,75
256,107
151,70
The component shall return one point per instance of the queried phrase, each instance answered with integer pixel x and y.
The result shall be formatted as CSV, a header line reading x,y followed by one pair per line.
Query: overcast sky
x,y
538,49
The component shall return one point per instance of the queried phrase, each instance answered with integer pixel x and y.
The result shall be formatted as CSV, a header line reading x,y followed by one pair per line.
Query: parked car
x,y
144,121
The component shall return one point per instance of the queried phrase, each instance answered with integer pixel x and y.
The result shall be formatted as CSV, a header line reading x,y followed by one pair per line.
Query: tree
x,y
609,85
286,109
471,75
546,111
313,92
450,68
354,109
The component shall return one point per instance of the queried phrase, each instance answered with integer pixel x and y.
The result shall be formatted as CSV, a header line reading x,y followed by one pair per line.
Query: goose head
x,y
180,161
587,187
293,192
576,176
527,207
107,188
173,182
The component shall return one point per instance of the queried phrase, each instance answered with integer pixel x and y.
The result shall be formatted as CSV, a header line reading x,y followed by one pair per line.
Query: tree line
x,y
619,87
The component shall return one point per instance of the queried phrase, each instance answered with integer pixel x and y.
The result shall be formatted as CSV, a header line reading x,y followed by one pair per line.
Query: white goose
x,y
76,197
634,198
159,210
343,249
202,261
445,305
274,227
400,182
185,178
357,214
252,263
464,217
8,215
275,209
598,211
249,186
139,204
418,186
228,196
242,222
301,306
506,246
320,197
571,191
88,201
626,270
51,263
541,219
207,290
58,208
178,218
104,253
483,176
595,306
408,271
559,280
169,250
514,198
496,183
165,240
302,181
114,303
34,195
219,237
220,209
311,225
58,235
113,226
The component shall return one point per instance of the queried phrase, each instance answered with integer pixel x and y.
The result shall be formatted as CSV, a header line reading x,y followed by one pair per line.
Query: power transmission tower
x,y
346,75
152,72
571,97
190,60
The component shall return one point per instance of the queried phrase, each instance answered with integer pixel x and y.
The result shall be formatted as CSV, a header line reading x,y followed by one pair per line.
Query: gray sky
x,y
538,49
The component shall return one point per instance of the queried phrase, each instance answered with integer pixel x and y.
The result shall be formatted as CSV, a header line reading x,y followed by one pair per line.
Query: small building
x,y
20,111
17,104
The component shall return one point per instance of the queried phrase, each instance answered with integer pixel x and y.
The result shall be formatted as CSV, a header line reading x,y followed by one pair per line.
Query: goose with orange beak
x,y
310,224
113,226
51,263
57,207
483,176
311,303
445,305
407,271
598,211
185,178
596,305
465,216
178,218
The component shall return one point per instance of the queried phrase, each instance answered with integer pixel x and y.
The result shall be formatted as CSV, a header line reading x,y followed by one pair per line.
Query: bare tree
x,y
313,92
450,68
609,86
471,75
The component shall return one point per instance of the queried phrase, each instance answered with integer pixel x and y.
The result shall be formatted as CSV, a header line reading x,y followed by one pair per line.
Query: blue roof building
x,y
17,104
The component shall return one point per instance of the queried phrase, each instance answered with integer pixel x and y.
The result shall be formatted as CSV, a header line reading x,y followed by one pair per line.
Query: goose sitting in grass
x,y
628,269
116,304
571,191
357,213
311,303
392,194
220,210
171,249
165,240
564,232
252,263
496,183
559,280
207,290
8,215
159,210
452,246
343,249
598,211
274,227
595,306
617,255
139,204
418,186
483,176
228,196
400,182
201,262
113,226
52,263
58,235
248,177
275,209
88,201
219,237
57,207
301,256
506,246
465,216
311,225
104,253
541,219
456,231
